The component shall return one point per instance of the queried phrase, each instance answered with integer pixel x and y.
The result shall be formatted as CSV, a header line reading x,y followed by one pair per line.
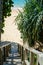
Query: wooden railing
x,y
39,60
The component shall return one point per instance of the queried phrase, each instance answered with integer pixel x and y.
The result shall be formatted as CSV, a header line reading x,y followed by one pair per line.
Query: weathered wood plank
x,y
4,44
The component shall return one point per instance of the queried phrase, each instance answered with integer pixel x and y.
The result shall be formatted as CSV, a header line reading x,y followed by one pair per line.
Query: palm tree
x,y
30,21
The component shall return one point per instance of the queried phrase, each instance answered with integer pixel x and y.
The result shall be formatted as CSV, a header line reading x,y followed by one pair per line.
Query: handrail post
x,y
31,58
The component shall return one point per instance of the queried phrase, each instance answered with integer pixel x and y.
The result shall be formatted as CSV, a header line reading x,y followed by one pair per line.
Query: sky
x,y
19,3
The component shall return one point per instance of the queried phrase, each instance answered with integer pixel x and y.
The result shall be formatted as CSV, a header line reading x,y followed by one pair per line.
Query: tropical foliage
x,y
30,21
6,11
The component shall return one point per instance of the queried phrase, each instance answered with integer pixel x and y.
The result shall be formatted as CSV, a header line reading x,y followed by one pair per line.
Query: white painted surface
x,y
38,53
27,62
26,46
40,59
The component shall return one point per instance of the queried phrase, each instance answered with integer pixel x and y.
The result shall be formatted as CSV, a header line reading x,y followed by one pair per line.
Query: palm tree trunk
x,y
0,36
1,8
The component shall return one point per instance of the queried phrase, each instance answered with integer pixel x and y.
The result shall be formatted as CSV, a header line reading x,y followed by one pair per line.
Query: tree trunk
x,y
0,36
1,11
